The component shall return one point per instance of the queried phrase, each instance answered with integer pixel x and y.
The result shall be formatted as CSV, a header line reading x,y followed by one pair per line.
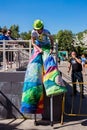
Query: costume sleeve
x,y
47,32
33,34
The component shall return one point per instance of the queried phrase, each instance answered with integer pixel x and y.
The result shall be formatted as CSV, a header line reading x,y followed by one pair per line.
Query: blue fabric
x,y
49,62
3,37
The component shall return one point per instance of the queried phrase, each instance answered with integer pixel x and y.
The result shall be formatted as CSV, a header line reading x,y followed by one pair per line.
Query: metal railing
x,y
15,54
76,104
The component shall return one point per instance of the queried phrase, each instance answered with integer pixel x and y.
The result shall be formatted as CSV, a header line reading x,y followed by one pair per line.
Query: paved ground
x,y
70,123
20,124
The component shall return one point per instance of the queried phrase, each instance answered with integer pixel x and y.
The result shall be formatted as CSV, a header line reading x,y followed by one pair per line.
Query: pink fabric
x,y
36,52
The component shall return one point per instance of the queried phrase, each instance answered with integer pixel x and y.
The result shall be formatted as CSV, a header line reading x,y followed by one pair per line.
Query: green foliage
x,y
15,31
79,50
80,35
54,37
65,39
85,31
25,35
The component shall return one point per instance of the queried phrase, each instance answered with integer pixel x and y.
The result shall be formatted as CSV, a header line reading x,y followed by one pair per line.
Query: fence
x,y
77,104
15,54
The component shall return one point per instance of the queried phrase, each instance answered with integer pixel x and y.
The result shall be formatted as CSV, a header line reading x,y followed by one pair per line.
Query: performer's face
x,y
40,31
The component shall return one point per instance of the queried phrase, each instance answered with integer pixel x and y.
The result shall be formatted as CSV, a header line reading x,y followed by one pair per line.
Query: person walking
x,y
75,63
83,59
41,70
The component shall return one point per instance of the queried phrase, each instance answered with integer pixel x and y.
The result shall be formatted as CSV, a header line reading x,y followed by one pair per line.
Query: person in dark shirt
x,y
76,74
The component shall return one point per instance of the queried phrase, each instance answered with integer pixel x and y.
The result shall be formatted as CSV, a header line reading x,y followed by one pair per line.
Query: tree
x,y
80,35
15,31
25,35
5,28
65,39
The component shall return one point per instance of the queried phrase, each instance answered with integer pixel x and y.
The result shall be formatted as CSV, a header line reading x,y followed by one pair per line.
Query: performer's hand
x,y
41,51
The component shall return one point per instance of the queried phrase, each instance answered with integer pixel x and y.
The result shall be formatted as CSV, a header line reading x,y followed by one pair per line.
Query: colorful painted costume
x,y
36,76
41,71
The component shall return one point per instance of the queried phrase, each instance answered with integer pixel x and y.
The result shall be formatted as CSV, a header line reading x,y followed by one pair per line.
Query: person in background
x,y
9,35
9,54
83,59
76,74
3,37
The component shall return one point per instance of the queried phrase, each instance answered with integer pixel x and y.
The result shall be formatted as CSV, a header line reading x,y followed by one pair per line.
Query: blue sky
x,y
56,14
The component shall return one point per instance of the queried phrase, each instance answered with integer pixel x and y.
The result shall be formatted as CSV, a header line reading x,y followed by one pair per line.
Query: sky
x,y
56,14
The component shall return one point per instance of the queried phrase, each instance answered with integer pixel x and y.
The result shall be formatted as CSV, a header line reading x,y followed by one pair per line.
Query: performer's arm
x,y
34,45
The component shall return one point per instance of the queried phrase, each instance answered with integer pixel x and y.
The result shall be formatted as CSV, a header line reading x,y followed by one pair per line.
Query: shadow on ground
x,y
9,126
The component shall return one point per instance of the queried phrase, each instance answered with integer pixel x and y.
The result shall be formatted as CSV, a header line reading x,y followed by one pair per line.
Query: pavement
x,y
20,124
70,122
